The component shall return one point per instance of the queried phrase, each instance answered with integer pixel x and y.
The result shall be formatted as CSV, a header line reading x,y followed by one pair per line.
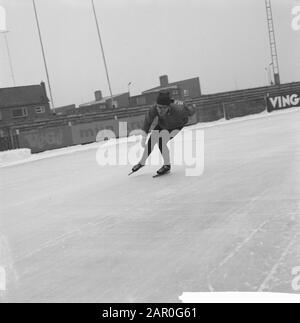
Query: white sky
x,y
224,42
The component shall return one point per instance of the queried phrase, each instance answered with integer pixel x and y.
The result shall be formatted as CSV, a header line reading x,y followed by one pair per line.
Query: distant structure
x,y
101,103
23,103
272,41
66,110
180,90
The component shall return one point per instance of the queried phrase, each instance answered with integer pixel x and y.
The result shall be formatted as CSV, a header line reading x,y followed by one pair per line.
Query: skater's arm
x,y
187,109
150,116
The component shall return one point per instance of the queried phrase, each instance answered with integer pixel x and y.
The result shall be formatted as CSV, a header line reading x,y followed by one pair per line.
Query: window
x,y
141,100
19,113
175,92
40,109
186,92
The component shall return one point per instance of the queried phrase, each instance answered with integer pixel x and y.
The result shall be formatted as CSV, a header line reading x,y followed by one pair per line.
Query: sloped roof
x,y
169,86
22,95
162,88
103,100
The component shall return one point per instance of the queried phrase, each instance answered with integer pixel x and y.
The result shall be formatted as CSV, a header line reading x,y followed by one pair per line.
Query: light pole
x,y
43,52
129,84
269,74
5,32
102,51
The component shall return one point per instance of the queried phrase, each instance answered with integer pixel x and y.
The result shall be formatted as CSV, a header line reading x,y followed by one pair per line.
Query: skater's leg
x,y
152,141
147,151
164,150
165,137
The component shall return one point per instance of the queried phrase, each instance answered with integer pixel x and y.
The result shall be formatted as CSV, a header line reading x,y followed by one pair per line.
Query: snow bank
x,y
14,155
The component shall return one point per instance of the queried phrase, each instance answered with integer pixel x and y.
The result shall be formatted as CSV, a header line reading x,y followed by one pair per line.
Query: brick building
x,y
23,103
66,110
101,103
180,90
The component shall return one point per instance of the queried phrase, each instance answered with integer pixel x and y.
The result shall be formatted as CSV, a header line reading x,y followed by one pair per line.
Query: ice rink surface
x,y
73,231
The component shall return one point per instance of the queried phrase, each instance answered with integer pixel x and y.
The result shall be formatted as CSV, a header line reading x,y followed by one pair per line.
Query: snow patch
x,y
14,155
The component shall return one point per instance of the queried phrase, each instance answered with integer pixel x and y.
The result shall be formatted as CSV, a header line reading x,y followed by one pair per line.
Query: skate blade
x,y
158,175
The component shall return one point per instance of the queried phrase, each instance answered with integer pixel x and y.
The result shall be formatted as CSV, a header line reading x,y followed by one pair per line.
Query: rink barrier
x,y
42,139
48,138
82,129
87,132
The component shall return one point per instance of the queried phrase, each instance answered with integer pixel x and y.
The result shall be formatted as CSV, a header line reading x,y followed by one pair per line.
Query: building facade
x,y
23,103
102,103
180,90
65,110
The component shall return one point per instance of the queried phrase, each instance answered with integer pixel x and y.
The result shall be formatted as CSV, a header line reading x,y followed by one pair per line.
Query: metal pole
x,y
270,74
43,52
102,51
129,84
272,42
9,57
267,74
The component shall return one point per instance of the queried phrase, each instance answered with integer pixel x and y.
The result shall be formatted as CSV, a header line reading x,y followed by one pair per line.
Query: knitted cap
x,y
164,98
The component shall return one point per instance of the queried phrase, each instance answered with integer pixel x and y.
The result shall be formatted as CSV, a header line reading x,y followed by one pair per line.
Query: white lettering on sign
x,y
285,101
274,101
295,99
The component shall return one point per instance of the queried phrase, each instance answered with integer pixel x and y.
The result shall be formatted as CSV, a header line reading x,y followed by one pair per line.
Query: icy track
x,y
73,231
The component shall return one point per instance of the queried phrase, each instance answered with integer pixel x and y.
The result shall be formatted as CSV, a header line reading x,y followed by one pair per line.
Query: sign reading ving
x,y
276,102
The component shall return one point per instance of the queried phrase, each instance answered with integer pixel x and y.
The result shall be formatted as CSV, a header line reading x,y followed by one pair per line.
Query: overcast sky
x,y
224,42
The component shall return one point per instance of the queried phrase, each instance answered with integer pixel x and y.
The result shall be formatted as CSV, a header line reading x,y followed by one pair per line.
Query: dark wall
x,y
45,139
210,112
243,108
